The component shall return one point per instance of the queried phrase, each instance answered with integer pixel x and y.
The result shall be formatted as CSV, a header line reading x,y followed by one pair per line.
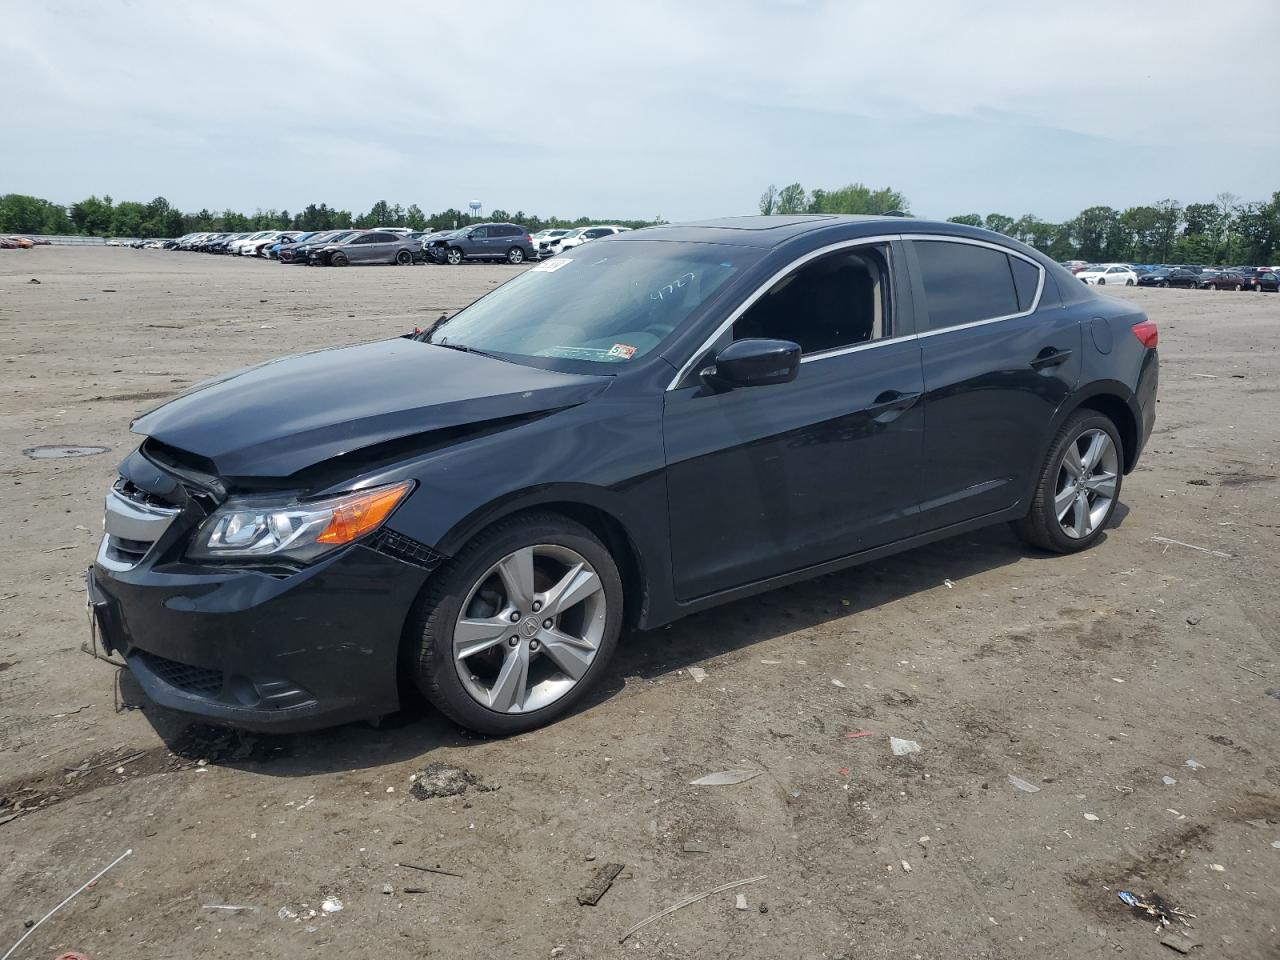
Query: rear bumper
x,y
260,652
1145,397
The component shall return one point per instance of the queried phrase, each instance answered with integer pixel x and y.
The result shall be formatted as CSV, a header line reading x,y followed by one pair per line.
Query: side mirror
x,y
753,363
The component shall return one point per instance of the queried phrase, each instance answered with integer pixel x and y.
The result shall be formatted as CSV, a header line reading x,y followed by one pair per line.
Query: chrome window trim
x,y
1035,301
764,288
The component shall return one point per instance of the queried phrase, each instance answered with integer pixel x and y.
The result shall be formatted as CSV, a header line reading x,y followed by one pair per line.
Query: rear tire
x,y
456,686
1043,526
404,257
515,256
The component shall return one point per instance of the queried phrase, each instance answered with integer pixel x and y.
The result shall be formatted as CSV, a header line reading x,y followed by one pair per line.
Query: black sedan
x,y
300,253
1177,277
679,417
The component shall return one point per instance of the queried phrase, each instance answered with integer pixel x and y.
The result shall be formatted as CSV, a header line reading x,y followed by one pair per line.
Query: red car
x,y
1225,280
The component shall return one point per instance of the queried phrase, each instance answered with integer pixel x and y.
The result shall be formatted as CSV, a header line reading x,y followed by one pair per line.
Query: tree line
x,y
1225,230
103,217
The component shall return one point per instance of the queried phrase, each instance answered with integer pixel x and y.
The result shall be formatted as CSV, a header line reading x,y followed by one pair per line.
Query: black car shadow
x,y
416,730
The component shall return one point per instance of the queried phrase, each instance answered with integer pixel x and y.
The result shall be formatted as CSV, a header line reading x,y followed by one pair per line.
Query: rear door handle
x,y
1050,357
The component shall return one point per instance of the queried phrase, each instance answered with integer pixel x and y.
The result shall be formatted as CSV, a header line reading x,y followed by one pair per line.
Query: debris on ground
x,y
442,780
230,908
1195,764
740,902
1168,781
906,866
837,683
1274,692
415,889
33,280
725,778
698,674
436,869
1194,619
1191,546
287,913
331,905
388,889
1177,942
1155,907
1024,785
1091,817
33,927
901,748
858,734
687,901
598,885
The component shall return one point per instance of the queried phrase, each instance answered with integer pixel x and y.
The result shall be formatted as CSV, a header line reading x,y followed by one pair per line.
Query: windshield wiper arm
x,y
463,348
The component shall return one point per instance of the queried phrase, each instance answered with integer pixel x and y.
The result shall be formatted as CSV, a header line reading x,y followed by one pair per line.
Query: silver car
x,y
374,246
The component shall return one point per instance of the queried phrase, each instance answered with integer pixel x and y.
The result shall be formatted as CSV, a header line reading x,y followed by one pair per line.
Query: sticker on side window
x,y
623,351
551,266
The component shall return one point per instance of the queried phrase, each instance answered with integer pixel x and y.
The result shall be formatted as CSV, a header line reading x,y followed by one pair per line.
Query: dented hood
x,y
280,417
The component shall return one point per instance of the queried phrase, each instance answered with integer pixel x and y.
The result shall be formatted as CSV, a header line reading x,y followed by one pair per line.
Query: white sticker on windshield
x,y
551,266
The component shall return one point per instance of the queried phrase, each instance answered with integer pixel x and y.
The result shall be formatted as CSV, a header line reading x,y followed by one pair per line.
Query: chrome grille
x,y
134,521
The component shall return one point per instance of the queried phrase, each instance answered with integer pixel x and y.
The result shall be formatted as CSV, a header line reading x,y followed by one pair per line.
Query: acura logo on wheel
x,y
530,627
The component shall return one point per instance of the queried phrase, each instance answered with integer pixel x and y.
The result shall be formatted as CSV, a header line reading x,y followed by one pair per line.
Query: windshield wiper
x,y
463,348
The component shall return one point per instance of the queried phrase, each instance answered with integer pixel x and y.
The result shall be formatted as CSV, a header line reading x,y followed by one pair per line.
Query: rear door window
x,y
1026,281
966,283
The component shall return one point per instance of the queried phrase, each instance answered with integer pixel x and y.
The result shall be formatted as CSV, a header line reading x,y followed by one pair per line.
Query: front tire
x,y
338,260
453,256
1102,281
516,629
1078,488
1128,283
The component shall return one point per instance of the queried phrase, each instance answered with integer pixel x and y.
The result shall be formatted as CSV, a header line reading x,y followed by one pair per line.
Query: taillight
x,y
1147,332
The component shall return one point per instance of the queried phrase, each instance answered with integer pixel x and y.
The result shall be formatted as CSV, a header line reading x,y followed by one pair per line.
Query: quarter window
x,y
965,283
839,300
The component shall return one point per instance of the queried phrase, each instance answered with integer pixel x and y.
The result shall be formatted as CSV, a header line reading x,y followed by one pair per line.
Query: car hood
x,y
277,418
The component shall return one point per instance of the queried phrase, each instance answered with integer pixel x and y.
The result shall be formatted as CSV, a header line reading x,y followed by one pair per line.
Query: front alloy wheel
x,y
529,629
517,628
453,256
1079,486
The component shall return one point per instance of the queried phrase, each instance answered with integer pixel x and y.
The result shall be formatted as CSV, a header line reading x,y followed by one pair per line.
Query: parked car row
x,y
22,243
1261,279
509,242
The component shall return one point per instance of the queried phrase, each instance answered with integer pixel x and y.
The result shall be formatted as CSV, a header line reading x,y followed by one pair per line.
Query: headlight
x,y
252,527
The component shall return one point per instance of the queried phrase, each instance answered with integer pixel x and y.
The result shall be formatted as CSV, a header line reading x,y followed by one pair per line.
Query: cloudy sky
x,y
640,108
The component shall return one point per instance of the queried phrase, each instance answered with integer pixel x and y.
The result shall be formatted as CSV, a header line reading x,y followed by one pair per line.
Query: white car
x,y
576,238
1101,274
543,240
238,246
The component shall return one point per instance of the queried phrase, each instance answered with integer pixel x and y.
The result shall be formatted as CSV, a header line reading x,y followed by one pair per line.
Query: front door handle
x,y
1050,357
891,404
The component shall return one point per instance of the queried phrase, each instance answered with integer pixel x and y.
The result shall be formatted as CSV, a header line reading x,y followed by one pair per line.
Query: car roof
x,y
772,231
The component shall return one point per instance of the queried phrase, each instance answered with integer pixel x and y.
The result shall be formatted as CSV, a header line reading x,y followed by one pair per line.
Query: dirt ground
x,y
1098,678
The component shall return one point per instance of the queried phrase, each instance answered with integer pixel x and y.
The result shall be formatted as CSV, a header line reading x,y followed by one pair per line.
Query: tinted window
x,y
382,238
479,233
1026,278
964,283
511,231
836,301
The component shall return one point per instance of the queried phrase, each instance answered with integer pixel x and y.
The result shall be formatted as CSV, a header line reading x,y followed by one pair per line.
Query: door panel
x,y
990,393
765,480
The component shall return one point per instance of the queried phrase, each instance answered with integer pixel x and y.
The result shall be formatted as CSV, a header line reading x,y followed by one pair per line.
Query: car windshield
x,y
612,303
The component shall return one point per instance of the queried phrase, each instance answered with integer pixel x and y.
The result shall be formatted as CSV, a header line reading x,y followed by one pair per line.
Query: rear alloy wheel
x,y
515,256
453,256
1079,486
338,260
519,626
404,257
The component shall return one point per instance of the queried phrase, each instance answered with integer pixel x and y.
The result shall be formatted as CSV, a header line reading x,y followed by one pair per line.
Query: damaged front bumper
x,y
261,650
